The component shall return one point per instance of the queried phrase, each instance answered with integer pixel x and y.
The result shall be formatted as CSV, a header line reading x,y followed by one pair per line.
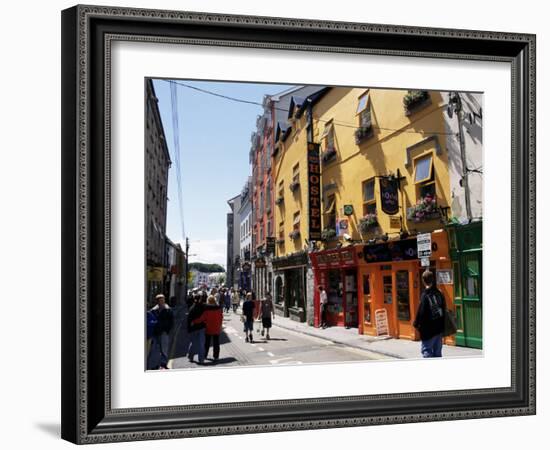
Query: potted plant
x,y
294,185
328,233
368,222
413,99
294,234
362,133
328,155
425,209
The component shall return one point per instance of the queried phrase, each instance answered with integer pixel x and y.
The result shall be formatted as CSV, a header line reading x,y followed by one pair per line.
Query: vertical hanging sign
x,y
314,191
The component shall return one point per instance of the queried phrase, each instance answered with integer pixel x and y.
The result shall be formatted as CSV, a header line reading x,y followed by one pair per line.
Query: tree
x,y
206,268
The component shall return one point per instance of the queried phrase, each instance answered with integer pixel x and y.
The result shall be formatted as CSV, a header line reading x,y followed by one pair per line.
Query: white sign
x,y
444,276
381,320
425,262
424,245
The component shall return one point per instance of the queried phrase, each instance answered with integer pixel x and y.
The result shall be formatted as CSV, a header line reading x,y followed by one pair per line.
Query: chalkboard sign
x,y
381,320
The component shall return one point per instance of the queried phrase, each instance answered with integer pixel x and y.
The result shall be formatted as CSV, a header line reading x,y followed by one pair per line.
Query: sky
x,y
214,138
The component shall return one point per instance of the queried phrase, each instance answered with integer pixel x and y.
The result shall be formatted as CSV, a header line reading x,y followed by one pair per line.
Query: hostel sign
x,y
314,191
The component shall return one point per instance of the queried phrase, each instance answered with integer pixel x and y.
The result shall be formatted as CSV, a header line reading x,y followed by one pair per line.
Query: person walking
x,y
196,330
163,320
430,318
235,300
227,300
267,312
212,317
323,303
248,317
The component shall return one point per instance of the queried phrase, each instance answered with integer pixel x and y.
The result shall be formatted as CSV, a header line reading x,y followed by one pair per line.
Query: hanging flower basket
x,y
328,155
413,99
367,223
328,233
426,209
362,133
294,234
294,185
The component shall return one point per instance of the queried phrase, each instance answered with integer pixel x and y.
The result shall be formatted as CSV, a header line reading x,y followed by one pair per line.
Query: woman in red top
x,y
213,318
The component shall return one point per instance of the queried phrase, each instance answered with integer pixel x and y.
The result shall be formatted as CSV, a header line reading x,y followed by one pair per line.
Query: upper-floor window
x,y
328,135
281,189
268,195
363,111
296,173
369,198
424,176
282,230
330,212
296,221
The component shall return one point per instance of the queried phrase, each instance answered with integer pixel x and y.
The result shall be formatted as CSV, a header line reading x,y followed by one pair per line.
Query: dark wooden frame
x,y
87,416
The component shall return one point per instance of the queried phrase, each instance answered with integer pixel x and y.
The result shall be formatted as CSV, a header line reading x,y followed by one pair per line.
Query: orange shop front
x,y
336,271
389,284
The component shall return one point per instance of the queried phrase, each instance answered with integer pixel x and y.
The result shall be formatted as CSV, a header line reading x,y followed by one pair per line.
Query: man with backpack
x,y
430,318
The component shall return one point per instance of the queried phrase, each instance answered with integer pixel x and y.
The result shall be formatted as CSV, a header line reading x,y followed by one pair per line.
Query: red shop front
x,y
336,271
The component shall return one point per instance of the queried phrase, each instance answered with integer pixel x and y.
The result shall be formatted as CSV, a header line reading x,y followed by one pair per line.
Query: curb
x,y
336,341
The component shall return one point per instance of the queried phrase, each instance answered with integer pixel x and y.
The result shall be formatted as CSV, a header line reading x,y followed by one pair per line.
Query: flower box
x,y
426,209
413,100
328,233
294,185
294,234
328,155
362,134
367,223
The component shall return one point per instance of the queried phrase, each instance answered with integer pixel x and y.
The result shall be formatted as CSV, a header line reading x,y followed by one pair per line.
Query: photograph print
x,y
300,224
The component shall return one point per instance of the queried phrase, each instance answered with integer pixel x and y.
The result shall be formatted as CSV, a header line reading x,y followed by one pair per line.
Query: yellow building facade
x,y
372,142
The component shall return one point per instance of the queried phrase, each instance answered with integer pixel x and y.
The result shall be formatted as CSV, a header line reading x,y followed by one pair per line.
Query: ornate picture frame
x,y
87,35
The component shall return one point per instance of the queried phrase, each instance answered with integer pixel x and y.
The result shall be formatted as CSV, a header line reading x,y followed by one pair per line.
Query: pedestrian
x,y
430,318
235,300
196,330
267,312
162,320
212,317
323,304
248,317
227,300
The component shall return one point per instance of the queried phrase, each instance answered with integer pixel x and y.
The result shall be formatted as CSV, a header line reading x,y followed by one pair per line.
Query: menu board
x,y
381,320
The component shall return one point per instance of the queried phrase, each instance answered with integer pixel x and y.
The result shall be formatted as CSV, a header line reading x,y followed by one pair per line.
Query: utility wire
x,y
339,123
175,130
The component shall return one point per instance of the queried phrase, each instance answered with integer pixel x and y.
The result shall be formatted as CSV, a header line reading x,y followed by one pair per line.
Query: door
x,y
471,304
350,303
403,278
388,301
335,294
368,307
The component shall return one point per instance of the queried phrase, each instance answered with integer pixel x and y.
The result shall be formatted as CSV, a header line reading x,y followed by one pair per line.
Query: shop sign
x,y
334,259
395,222
424,245
388,195
425,262
381,321
155,274
348,210
314,191
403,250
342,227
444,276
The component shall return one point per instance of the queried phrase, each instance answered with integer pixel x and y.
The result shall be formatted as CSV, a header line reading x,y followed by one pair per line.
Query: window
x,y
363,111
269,229
261,232
268,195
471,276
403,298
282,230
330,213
328,135
281,190
261,208
296,221
369,198
424,176
296,174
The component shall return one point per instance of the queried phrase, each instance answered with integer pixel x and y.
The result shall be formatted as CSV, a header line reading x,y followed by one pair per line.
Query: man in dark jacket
x,y
430,318
163,320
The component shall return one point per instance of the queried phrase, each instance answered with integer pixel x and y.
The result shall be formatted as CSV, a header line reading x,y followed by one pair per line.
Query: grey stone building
x,y
157,164
233,241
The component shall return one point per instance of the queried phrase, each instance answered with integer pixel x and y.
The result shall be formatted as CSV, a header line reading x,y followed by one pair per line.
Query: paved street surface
x,y
286,347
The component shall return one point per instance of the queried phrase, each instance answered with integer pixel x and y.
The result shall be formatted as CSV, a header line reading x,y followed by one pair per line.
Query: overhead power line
x,y
338,123
176,133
